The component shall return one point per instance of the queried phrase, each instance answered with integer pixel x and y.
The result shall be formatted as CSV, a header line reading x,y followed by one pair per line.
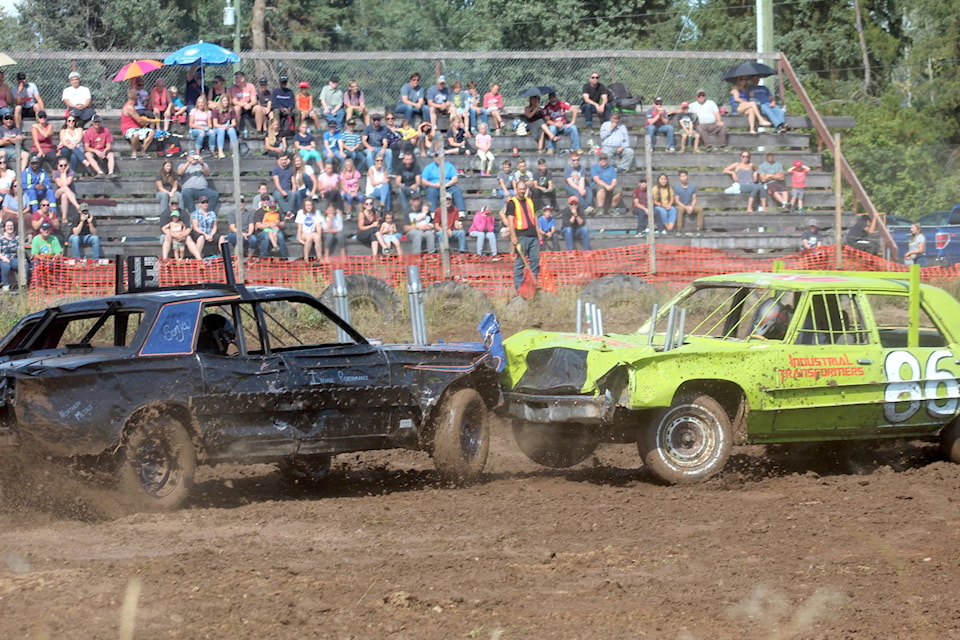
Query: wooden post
x,y
651,219
21,227
238,216
838,200
444,238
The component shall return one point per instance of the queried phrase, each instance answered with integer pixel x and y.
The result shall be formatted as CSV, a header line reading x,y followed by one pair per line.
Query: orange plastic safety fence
x,y
675,264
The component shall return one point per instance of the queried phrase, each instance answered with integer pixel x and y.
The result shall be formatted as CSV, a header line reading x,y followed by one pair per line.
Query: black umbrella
x,y
749,69
541,90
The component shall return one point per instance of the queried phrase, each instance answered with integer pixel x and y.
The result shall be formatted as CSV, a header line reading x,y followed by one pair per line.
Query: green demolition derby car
x,y
749,357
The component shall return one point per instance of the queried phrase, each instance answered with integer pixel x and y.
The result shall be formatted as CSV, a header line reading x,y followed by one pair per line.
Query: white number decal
x,y
907,389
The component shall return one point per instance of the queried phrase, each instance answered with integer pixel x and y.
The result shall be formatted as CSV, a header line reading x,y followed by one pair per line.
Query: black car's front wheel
x,y
690,442
461,437
157,465
554,446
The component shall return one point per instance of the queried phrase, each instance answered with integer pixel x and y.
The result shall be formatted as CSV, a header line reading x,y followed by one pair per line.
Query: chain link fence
x,y
673,75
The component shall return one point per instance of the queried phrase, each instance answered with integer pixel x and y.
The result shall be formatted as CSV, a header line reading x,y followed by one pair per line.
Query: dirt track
x,y
777,547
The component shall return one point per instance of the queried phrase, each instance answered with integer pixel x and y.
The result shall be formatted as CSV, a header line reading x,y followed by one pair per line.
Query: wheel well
x,y
730,396
174,410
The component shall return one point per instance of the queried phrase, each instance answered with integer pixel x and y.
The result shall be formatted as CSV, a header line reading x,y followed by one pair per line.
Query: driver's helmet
x,y
771,319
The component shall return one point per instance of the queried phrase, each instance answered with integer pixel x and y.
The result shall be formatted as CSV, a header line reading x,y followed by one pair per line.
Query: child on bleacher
x,y
505,182
687,124
178,110
458,138
305,108
388,236
798,179
484,141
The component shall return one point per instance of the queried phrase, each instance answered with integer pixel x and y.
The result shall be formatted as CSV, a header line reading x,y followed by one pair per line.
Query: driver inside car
x,y
216,335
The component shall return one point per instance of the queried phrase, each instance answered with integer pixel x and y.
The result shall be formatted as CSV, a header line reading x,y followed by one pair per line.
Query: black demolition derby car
x,y
147,385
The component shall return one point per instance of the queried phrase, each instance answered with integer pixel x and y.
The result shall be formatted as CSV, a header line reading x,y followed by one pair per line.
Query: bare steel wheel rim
x,y
156,468
690,439
471,434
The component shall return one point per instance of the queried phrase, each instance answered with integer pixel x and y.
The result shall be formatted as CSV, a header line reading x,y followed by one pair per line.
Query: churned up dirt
x,y
844,543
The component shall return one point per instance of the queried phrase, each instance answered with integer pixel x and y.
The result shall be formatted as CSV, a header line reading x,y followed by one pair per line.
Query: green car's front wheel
x,y
689,442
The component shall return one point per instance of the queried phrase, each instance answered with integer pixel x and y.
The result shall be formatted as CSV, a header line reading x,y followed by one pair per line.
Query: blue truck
x,y
941,229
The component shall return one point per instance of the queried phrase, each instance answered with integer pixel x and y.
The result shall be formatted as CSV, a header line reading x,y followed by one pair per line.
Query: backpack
x,y
243,149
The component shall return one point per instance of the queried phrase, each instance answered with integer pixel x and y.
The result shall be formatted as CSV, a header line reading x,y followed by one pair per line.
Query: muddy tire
x,y
364,290
157,465
554,446
950,441
305,470
689,442
461,437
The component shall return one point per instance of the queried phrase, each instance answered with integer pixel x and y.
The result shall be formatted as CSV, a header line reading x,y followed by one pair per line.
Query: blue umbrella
x,y
202,52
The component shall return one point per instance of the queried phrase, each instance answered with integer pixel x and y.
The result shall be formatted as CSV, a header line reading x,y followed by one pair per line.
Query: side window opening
x,y
833,318
892,315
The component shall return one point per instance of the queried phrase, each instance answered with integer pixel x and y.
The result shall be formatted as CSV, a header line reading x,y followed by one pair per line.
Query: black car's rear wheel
x,y
461,436
157,465
554,446
690,442
305,469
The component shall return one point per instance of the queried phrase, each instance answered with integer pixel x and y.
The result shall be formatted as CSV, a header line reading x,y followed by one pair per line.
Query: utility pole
x,y
765,28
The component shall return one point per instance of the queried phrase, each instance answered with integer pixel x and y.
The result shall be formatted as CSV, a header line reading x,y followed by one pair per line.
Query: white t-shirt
x,y
706,113
80,95
6,180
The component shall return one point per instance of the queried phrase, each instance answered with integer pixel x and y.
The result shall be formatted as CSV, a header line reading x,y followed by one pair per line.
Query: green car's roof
x,y
818,280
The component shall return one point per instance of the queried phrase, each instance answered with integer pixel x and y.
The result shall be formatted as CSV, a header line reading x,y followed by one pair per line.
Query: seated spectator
x,y
615,142
709,121
454,229
640,207
83,233
376,141
247,233
333,237
216,91
439,100
548,229
160,103
284,192
306,144
425,139
555,115
350,186
663,198
575,226
176,238
168,183
471,102
98,148
332,143
263,110
355,103
243,96
419,228
78,99
505,181
225,125
303,179
430,179
71,142
269,223
658,121
745,180
274,144
27,98
740,103
193,174
201,125
408,181
483,228
578,183
522,174
686,201
41,138
143,105
368,225
305,109
687,126
331,103
533,121
768,104
351,145
134,128
178,109
541,187
9,255
387,236
484,142
284,102
45,244
204,224
810,238
458,138
378,183
326,186
45,215
492,106
772,176
412,101
8,197
63,179
37,186
862,235
9,137
605,185
310,230
596,100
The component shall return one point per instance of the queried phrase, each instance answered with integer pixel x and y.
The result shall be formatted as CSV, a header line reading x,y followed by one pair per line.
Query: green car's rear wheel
x,y
554,446
690,442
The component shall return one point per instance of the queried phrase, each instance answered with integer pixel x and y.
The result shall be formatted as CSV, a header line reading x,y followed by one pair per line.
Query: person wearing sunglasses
x,y
63,179
42,144
596,100
27,98
746,180
9,136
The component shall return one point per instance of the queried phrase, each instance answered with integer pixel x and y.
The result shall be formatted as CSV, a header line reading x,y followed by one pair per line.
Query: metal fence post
x,y
415,291
341,302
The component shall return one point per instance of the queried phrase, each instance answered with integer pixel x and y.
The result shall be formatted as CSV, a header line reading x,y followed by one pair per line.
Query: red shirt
x,y
557,111
93,139
453,216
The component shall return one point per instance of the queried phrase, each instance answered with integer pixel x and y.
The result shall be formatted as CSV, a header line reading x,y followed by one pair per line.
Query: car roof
x,y
813,280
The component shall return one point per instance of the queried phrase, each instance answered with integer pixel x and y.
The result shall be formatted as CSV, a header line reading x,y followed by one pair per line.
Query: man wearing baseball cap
x,y
282,99
810,238
45,243
83,233
440,100
78,99
244,96
709,120
331,102
658,121
575,226
27,99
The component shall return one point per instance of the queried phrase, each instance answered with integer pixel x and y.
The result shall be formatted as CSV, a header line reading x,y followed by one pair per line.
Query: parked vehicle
x,y
749,357
941,230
